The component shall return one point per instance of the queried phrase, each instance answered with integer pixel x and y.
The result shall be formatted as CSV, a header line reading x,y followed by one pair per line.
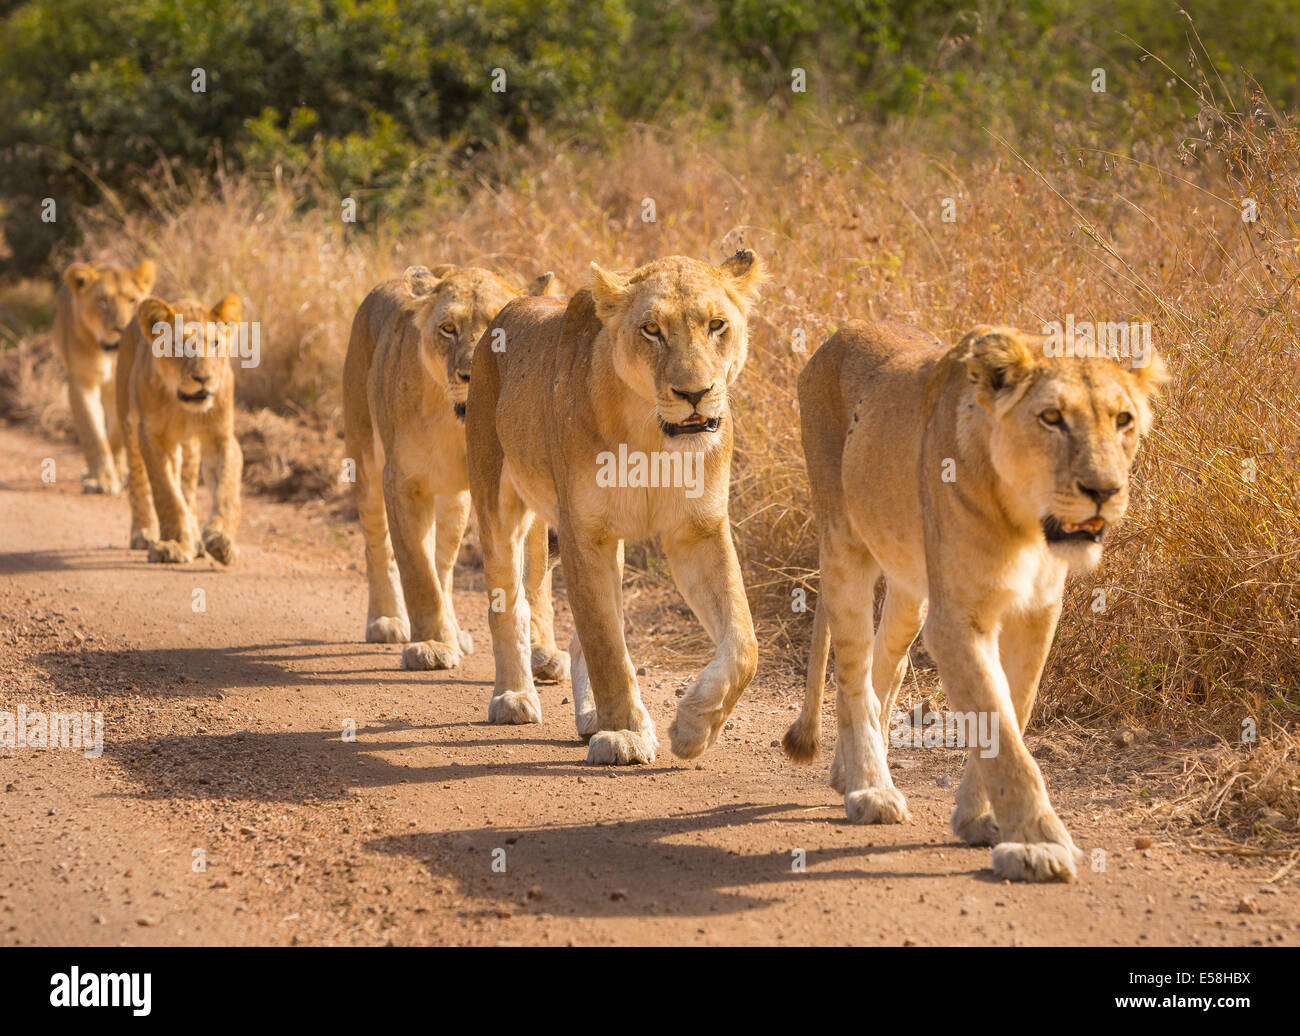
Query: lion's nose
x,y
1098,495
692,397
200,378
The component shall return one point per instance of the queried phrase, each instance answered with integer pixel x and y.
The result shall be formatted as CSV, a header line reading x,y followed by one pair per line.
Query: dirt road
x,y
228,806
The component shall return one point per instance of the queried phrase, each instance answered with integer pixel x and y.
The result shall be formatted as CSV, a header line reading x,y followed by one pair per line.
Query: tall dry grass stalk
x,y
1201,616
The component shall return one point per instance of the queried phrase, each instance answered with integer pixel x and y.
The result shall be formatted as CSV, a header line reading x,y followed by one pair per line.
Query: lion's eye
x,y
1123,419
652,330
1051,418
716,325
449,329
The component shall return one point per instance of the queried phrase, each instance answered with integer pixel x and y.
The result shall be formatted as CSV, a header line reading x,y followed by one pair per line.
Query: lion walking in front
x,y
974,480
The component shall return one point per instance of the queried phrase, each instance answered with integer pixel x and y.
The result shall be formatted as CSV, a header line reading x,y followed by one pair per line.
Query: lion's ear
x,y
543,284
1150,375
996,359
746,273
608,291
144,276
154,311
79,275
229,310
419,281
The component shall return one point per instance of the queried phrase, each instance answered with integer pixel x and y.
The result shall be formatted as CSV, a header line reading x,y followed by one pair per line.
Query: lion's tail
x,y
803,738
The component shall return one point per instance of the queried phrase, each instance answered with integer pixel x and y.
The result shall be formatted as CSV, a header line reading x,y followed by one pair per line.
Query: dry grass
x,y
1241,796
1202,624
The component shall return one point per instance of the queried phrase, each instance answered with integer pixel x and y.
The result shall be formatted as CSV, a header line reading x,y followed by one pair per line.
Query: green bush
x,y
376,97
94,95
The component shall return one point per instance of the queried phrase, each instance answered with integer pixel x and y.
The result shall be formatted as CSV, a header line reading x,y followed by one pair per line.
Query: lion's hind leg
x,y
803,740
550,664
144,520
859,770
412,509
585,717
503,525
87,402
386,618
972,819
451,515
901,619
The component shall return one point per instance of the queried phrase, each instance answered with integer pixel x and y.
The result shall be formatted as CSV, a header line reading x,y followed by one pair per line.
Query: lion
x,y
94,307
405,379
176,394
606,417
975,479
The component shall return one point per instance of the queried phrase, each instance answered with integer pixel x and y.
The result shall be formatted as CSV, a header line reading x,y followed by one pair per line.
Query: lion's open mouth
x,y
693,425
109,347
1090,530
193,397
459,408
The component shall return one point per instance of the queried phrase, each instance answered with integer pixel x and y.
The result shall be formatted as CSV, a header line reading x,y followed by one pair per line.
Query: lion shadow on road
x,y
313,765
661,865
208,672
79,559
645,867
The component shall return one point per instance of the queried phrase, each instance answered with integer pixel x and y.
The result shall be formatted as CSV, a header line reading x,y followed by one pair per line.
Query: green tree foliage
x,y
93,95
376,96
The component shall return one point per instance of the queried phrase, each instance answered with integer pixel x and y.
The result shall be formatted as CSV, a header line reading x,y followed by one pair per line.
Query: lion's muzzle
x,y
1091,530
696,424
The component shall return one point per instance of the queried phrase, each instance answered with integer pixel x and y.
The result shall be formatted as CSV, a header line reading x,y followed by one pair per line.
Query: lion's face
x,y
107,297
458,304
196,369
1064,434
678,333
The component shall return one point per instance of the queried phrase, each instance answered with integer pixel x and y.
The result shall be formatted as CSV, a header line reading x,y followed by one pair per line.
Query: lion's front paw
x,y
701,714
1035,861
430,654
550,666
387,629
515,707
221,548
876,806
622,747
694,730
981,829
141,540
170,552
